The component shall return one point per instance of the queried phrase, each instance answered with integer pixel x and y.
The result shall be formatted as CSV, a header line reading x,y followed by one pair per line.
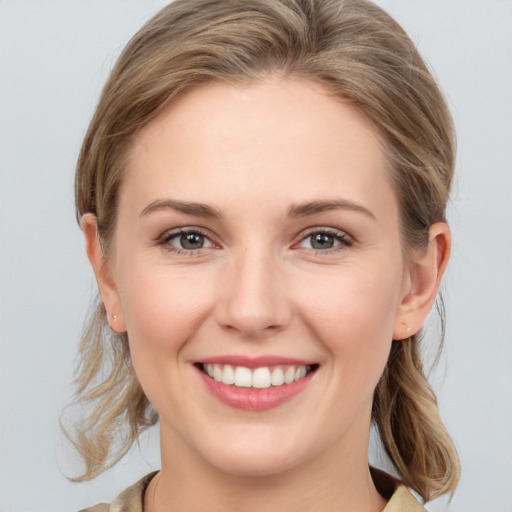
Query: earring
x,y
407,331
114,318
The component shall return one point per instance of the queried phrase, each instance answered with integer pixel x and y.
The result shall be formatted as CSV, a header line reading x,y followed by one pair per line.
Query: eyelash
x,y
339,236
165,241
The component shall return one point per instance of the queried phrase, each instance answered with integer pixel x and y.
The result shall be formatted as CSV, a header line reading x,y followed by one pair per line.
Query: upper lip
x,y
255,362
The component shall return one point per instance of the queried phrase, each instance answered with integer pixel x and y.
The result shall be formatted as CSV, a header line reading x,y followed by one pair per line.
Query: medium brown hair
x,y
358,53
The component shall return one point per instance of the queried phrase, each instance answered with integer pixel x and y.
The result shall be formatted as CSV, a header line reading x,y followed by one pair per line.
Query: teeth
x,y
289,375
243,377
277,377
300,372
259,378
228,375
217,373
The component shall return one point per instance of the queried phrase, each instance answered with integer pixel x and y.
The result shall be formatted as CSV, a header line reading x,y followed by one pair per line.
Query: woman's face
x,y
258,240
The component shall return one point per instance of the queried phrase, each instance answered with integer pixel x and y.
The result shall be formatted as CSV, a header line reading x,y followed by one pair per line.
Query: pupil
x,y
322,241
191,241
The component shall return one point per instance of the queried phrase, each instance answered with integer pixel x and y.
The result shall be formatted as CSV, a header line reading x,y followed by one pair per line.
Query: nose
x,y
254,300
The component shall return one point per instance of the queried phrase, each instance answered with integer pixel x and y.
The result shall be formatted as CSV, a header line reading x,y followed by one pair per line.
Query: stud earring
x,y
114,318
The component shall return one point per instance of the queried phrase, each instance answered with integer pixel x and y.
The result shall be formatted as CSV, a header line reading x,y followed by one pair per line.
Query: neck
x,y
336,480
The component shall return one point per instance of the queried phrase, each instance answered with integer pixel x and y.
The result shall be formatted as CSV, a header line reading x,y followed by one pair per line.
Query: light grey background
x,y
54,57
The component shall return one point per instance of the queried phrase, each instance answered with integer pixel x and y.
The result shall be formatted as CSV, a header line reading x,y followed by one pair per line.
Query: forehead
x,y
278,138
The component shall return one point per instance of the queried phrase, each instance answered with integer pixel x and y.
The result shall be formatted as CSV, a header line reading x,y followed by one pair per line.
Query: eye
x,y
186,240
325,240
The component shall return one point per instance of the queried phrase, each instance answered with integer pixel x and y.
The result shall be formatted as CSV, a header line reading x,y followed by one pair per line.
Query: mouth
x,y
262,377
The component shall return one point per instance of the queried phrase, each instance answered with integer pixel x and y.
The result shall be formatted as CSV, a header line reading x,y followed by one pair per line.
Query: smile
x,y
255,384
258,378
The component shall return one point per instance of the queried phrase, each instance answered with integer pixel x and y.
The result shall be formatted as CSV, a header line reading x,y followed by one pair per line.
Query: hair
x,y
358,53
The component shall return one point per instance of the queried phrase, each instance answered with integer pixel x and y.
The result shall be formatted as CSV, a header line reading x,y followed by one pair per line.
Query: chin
x,y
255,464
254,451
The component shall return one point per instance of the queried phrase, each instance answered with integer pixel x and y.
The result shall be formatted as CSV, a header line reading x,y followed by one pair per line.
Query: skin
x,y
258,287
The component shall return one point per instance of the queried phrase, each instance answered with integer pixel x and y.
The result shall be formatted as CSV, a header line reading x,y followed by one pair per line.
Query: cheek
x,y
162,310
354,319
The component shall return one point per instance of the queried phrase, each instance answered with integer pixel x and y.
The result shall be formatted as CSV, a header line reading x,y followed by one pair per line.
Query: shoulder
x,y
130,500
399,496
402,500
101,507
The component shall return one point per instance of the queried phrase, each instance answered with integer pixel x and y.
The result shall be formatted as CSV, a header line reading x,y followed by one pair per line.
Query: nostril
x,y
253,300
252,329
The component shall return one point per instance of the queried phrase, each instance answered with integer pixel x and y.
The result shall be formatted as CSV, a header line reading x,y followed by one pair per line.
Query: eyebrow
x,y
294,210
313,207
198,209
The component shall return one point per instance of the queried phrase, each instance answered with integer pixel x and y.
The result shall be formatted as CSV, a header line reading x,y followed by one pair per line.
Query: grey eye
x,y
187,241
322,241
325,240
191,241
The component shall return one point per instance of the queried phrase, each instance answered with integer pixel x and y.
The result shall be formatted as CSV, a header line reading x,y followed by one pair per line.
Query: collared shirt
x,y
132,500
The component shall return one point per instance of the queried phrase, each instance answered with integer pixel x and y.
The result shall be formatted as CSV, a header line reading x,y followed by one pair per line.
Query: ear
x,y
424,274
103,272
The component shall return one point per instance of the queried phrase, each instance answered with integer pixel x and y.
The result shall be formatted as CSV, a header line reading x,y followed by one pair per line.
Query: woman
x,y
262,191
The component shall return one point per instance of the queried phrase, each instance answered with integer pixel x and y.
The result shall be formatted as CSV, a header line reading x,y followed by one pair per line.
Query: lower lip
x,y
252,399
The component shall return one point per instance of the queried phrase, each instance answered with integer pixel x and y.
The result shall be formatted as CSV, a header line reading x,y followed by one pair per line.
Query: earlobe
x,y
103,272
425,272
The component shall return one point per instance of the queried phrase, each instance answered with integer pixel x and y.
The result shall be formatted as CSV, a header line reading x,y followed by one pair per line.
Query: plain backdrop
x,y
54,57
